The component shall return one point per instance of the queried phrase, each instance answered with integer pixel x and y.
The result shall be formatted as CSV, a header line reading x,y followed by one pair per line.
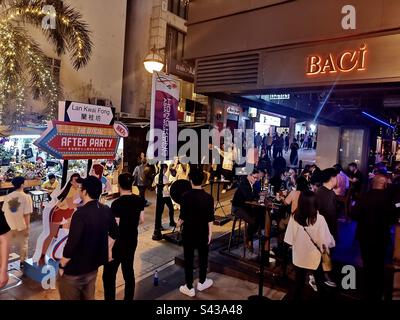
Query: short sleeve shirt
x,y
197,210
128,208
17,204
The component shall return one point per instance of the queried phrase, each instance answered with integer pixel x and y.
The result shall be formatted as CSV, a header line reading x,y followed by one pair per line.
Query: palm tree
x,y
24,68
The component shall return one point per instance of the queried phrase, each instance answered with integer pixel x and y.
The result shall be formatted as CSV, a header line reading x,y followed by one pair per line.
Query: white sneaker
x,y
330,283
203,286
185,290
312,283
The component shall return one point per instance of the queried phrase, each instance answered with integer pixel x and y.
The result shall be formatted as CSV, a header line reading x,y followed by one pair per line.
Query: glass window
x,y
183,9
180,46
176,43
178,7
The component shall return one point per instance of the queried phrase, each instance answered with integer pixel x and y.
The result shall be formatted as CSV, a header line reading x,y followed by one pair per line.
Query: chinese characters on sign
x,y
86,113
71,140
164,115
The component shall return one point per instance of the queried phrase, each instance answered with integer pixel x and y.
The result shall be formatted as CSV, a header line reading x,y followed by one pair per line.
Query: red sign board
x,y
71,141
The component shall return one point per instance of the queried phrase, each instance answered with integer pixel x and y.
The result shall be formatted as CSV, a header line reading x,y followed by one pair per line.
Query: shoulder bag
x,y
326,258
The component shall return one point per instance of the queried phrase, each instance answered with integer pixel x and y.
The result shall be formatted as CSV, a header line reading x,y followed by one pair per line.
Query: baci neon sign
x,y
344,62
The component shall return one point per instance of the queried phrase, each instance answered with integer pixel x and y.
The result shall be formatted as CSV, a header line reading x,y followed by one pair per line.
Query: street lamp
x,y
153,61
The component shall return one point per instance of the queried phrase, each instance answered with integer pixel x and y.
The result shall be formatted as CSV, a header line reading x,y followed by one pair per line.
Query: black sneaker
x,y
157,236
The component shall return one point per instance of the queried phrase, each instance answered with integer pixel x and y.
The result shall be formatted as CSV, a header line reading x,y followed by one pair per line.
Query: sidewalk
x,y
150,255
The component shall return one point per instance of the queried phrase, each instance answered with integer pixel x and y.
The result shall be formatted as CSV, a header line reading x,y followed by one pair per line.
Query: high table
x,y
220,220
265,242
265,247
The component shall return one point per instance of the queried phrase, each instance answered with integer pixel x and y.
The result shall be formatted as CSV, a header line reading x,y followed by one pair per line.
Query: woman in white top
x,y
227,165
304,228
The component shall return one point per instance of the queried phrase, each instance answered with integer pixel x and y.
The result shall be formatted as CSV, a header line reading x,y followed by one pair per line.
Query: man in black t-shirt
x,y
128,211
4,228
197,216
326,199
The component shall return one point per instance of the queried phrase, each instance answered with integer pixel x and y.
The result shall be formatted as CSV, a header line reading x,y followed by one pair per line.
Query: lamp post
x,y
154,61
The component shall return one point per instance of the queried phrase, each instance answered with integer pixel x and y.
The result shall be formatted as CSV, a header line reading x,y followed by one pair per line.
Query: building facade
x,y
102,78
302,47
158,25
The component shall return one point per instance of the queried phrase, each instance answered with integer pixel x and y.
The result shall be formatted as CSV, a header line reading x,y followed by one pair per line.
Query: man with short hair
x,y
4,243
17,211
196,216
246,191
326,199
89,245
51,184
128,211
375,213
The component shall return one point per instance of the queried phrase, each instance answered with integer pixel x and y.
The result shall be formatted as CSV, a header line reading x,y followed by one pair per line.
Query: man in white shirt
x,y
17,210
163,198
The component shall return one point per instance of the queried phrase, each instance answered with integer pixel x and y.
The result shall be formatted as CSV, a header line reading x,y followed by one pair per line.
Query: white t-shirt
x,y
17,204
305,254
165,182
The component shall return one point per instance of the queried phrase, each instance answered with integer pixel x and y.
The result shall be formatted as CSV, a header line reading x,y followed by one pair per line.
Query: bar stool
x,y
235,236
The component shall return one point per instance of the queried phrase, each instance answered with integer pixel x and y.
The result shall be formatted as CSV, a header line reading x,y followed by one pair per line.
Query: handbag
x,y
325,256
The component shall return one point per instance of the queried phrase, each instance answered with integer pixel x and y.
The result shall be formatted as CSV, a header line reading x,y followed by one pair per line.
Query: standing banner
x,y
164,117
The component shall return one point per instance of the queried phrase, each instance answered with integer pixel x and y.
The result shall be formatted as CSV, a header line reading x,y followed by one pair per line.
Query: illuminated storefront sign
x,y
270,120
347,61
282,96
234,110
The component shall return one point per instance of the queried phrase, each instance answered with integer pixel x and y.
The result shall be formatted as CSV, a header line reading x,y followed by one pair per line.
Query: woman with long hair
x,y
62,211
309,236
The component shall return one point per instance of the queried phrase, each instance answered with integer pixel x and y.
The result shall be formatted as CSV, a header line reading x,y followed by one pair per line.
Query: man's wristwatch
x,y
61,266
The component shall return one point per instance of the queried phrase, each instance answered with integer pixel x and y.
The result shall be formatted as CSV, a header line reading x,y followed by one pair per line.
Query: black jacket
x,y
244,193
327,206
87,244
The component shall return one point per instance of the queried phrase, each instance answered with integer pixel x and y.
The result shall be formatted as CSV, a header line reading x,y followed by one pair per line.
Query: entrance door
x,y
354,145
231,125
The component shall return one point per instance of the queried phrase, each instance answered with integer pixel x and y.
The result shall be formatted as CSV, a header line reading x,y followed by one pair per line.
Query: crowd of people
x,y
313,201
317,200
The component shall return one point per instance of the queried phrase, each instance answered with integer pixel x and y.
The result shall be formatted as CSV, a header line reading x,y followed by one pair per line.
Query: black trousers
x,y
142,192
188,252
373,257
161,202
300,280
125,258
228,175
255,219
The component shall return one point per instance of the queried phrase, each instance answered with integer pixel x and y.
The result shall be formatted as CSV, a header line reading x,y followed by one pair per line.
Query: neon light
x,y
377,119
356,61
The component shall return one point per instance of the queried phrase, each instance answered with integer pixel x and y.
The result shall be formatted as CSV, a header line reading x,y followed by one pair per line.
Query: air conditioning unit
x,y
100,102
